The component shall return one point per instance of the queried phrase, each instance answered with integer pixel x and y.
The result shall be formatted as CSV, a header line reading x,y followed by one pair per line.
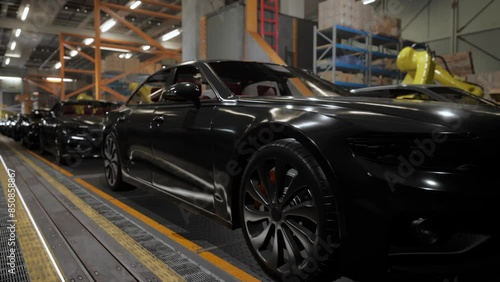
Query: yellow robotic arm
x,y
422,69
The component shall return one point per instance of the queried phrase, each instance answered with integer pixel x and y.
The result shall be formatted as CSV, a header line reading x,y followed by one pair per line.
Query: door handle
x,y
158,119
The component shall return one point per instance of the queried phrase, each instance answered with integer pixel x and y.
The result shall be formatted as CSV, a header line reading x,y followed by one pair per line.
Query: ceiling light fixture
x,y
121,56
108,25
146,47
67,57
57,65
58,79
18,32
171,34
128,56
7,61
73,53
135,5
25,12
366,2
114,49
88,41
13,45
10,77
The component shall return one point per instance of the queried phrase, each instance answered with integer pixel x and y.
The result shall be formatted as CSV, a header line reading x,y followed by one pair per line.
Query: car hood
x,y
455,117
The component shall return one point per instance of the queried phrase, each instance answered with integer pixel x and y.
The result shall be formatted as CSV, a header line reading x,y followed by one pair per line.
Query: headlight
x,y
450,152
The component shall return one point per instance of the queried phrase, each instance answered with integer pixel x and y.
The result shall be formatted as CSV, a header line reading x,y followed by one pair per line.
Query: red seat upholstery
x,y
263,90
234,87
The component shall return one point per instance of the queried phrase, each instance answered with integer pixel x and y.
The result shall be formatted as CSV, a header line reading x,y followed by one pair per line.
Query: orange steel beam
x,y
51,90
142,11
164,5
61,60
97,42
203,37
141,65
139,32
114,93
251,16
81,53
80,90
79,71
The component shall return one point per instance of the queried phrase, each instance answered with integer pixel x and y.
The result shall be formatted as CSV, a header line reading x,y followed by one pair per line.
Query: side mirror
x,y
183,91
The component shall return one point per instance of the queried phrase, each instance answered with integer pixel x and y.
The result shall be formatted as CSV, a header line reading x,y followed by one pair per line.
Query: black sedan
x,y
322,183
29,128
73,130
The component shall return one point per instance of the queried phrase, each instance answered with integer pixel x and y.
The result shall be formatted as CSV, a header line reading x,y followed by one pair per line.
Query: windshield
x,y
261,79
87,109
459,96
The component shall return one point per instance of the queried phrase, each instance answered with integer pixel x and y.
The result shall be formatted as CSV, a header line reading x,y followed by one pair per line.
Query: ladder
x,y
269,8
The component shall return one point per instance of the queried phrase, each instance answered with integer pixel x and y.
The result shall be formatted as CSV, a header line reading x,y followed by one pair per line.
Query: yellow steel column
x,y
61,60
203,37
251,16
97,43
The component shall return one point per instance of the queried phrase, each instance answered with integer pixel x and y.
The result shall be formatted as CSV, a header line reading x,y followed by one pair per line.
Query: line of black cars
x,y
70,130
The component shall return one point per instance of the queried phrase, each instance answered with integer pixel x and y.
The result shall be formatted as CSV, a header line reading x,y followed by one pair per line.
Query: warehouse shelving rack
x,y
331,43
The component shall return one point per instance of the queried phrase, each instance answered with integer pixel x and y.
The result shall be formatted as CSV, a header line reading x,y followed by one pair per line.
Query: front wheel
x,y
288,213
112,164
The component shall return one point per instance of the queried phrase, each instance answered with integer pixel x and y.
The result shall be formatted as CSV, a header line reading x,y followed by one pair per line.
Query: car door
x,y
134,127
182,146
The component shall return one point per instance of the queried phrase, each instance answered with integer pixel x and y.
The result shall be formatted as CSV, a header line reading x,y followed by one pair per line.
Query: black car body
x,y
419,92
12,126
73,129
29,128
312,174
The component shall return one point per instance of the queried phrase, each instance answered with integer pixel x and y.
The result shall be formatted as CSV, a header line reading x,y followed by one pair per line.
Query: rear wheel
x,y
288,213
112,164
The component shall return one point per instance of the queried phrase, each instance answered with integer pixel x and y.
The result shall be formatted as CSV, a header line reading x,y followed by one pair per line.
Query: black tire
x,y
41,149
112,163
60,154
286,201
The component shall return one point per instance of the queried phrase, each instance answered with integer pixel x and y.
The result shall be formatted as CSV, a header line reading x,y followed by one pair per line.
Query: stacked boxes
x,y
489,81
340,76
460,64
385,64
116,64
356,15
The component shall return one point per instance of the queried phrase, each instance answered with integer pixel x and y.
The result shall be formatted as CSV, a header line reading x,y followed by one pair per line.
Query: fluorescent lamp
x,y
10,77
58,79
88,41
171,34
108,25
7,61
114,49
135,4
146,47
18,32
121,56
25,12
67,57
73,53
13,45
366,2
58,65
128,55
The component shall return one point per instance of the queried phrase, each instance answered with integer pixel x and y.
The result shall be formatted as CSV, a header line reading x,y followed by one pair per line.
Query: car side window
x,y
150,91
262,88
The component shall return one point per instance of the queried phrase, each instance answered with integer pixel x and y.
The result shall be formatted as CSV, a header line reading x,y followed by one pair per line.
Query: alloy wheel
x,y
111,164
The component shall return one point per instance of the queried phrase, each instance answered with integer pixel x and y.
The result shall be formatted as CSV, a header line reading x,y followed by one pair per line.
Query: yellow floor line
x,y
39,260
148,260
236,272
